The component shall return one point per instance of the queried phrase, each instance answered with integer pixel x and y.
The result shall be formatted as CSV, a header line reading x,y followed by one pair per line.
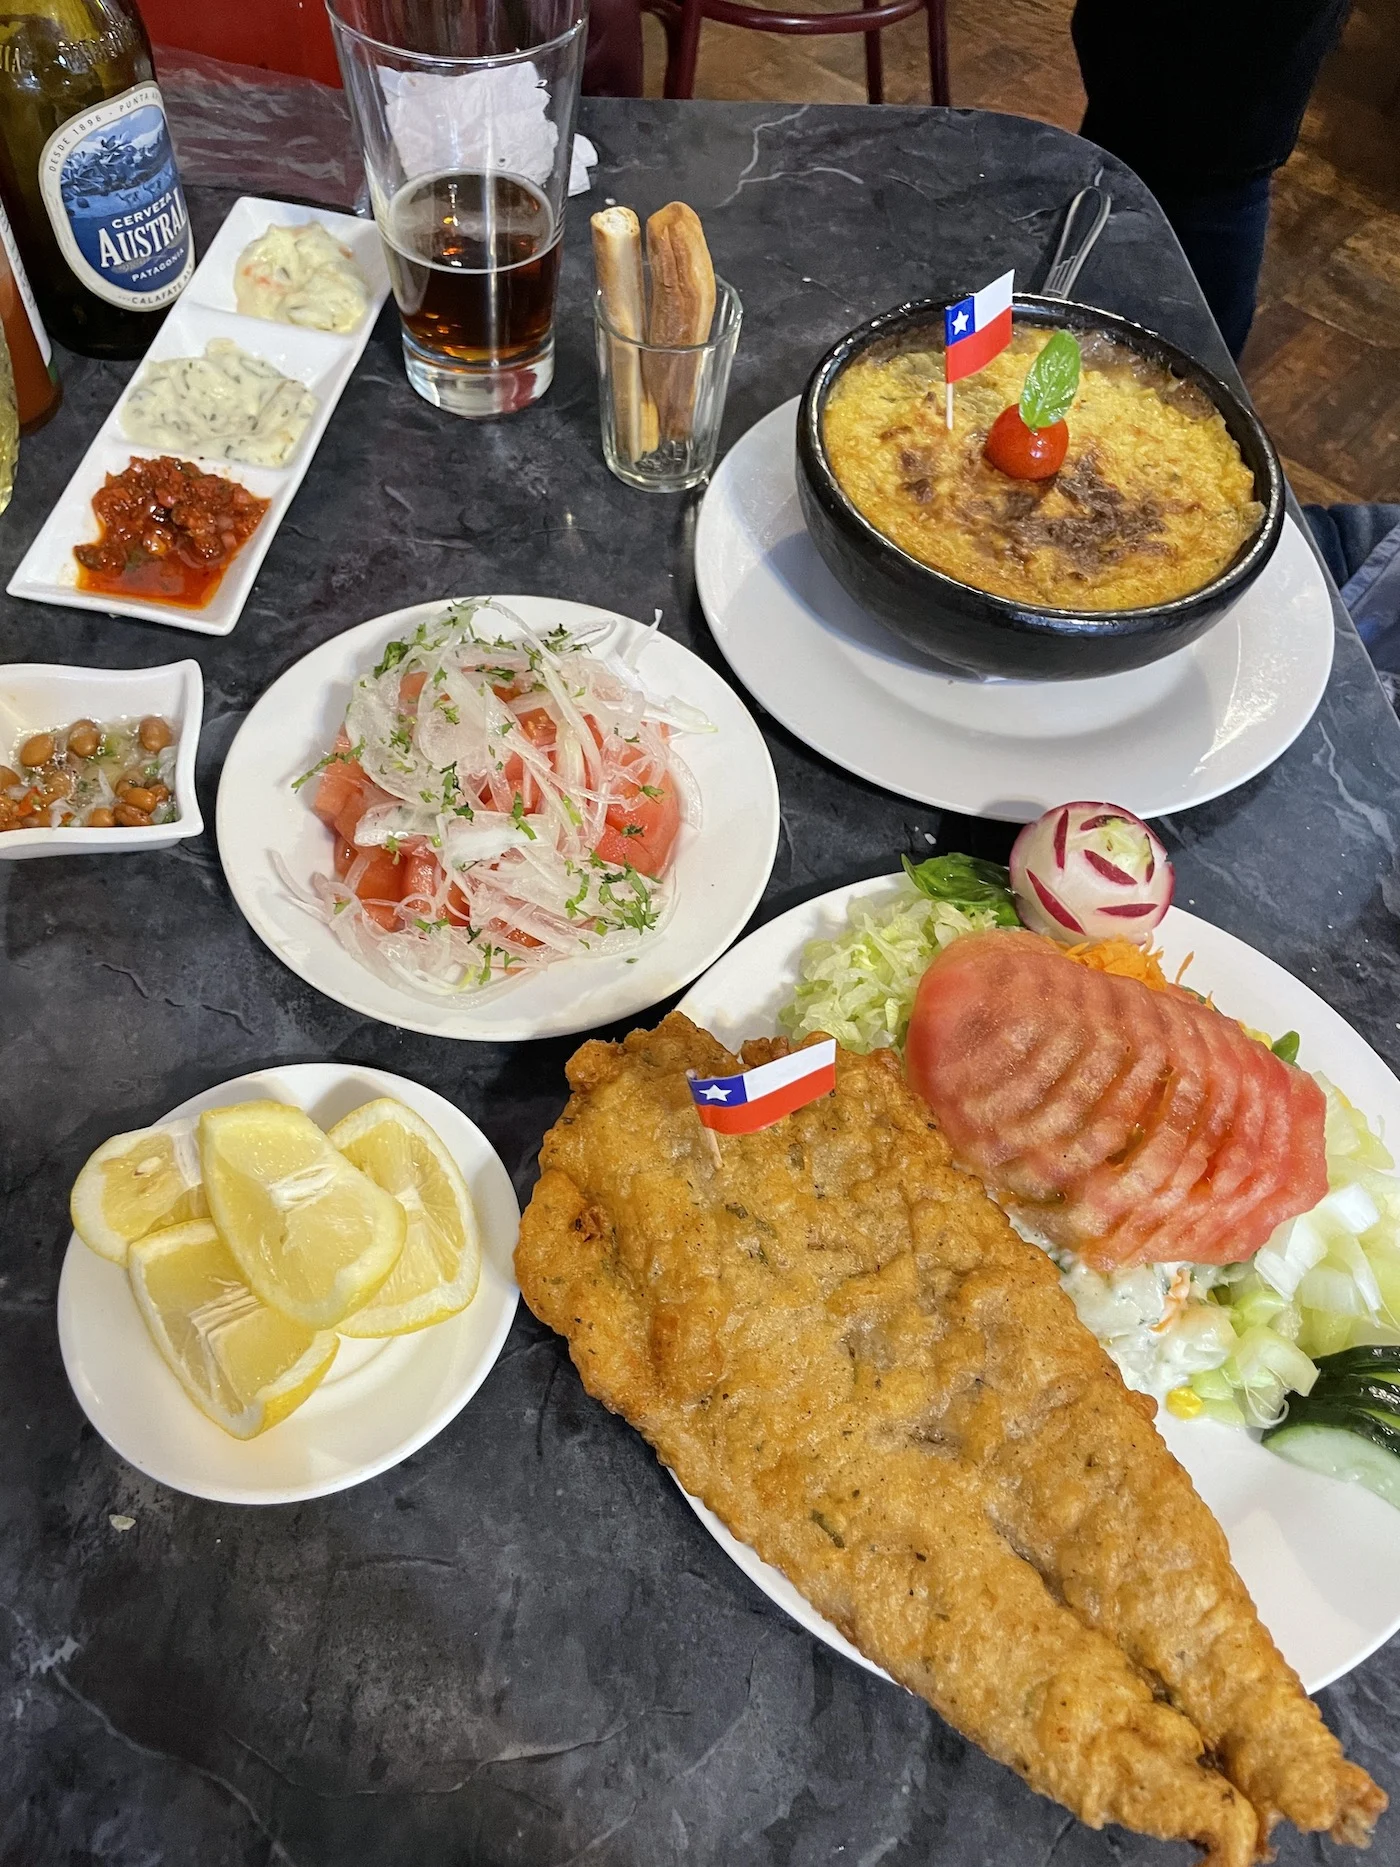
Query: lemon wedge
x,y
440,1267
134,1184
311,1234
245,1365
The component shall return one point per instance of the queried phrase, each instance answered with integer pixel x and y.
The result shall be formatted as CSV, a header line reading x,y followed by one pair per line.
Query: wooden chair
x,y
683,19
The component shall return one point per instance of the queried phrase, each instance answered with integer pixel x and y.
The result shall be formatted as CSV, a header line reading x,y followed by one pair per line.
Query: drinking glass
x,y
465,111
661,405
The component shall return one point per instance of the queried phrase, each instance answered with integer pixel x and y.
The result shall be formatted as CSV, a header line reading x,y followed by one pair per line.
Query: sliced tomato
x,y
539,728
642,829
381,886
421,874
342,780
410,687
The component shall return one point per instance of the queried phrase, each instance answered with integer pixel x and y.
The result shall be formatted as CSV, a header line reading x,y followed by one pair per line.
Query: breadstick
x,y
617,258
682,311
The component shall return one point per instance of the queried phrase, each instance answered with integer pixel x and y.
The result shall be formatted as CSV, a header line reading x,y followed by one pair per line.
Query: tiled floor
x,y
1323,362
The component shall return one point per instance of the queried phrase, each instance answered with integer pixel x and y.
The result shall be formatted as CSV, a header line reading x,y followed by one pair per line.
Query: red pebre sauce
x,y
169,532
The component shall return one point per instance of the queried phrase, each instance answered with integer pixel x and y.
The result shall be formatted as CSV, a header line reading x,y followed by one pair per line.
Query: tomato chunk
x,y
381,886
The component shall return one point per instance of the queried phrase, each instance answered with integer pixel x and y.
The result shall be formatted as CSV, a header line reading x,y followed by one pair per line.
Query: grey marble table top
x,y
520,1647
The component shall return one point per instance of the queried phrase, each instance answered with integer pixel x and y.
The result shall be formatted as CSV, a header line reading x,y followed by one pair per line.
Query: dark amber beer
x,y
474,261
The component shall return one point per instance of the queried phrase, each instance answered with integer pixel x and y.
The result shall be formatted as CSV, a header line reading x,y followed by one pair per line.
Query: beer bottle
x,y
37,393
88,172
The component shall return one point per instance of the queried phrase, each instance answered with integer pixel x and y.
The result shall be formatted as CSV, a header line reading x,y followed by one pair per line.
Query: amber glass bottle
x,y
88,172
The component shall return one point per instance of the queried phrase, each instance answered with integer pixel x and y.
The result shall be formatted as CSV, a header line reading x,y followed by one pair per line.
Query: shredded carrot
x,y
1122,958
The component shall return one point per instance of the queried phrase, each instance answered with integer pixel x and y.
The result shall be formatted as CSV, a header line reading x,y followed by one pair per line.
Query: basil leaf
x,y
1287,1047
1051,382
966,882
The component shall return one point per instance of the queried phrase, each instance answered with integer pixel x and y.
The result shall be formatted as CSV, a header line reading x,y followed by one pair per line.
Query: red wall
x,y
279,35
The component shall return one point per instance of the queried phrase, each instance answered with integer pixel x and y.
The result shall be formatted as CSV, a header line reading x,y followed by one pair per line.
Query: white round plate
x,y
1158,739
1320,1558
380,1401
719,873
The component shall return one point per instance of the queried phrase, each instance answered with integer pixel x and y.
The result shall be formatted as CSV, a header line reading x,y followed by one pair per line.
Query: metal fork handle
x,y
1088,212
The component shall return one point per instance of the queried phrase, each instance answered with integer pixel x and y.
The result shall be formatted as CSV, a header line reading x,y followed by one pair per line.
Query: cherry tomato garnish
x,y
1024,453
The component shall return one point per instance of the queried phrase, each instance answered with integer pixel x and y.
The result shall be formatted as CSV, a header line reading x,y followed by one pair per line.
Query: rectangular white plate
x,y
322,360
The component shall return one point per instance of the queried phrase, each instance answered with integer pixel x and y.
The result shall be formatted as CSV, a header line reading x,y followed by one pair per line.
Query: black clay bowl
x,y
969,629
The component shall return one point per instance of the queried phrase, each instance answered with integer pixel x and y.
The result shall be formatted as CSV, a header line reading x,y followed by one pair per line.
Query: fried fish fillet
x,y
835,1339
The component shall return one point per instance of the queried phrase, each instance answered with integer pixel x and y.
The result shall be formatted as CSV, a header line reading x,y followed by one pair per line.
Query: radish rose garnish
x,y
1090,872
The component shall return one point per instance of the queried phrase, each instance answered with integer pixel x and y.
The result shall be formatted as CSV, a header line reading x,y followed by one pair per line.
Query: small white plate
x,y
37,696
1158,739
719,872
381,1400
323,360
1320,1558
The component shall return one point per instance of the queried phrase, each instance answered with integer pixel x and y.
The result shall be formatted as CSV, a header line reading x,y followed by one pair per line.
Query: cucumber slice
x,y
1351,1390
1355,1447
1374,1361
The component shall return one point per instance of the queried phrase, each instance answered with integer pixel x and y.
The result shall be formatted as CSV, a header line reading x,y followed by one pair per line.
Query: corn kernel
x,y
1185,1403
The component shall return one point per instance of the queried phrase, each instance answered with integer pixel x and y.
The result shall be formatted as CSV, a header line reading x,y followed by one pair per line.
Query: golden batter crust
x,y
836,1340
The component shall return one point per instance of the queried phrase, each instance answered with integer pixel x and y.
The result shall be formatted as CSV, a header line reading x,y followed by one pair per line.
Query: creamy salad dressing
x,y
301,275
225,405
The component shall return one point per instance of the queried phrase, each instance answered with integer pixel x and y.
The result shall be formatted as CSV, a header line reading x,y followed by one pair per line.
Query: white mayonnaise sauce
x,y
300,275
225,405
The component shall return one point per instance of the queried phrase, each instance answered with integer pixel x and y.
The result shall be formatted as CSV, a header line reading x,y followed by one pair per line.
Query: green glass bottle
x,y
87,172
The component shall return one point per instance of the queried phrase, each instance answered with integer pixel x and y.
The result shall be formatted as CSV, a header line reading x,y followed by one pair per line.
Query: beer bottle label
x,y
21,278
113,194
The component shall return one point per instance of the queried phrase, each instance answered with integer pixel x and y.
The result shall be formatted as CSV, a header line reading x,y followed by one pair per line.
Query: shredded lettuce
x,y
859,988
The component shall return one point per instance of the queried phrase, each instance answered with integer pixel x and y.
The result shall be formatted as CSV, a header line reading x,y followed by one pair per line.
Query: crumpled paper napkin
x,y
493,119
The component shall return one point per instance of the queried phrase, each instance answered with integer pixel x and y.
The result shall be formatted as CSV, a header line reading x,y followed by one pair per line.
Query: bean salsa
x,y
91,777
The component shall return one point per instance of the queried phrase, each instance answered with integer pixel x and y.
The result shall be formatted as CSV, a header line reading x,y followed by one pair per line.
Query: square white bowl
x,y
36,696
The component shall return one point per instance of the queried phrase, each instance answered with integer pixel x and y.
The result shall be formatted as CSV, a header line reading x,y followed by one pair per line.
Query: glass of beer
x,y
465,115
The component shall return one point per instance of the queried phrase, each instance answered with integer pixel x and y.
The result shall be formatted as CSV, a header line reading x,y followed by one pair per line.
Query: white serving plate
x,y
719,872
380,1401
1159,739
323,360
36,696
1320,1558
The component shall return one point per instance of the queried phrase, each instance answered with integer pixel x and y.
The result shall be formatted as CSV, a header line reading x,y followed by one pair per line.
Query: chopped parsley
x,y
349,757
517,817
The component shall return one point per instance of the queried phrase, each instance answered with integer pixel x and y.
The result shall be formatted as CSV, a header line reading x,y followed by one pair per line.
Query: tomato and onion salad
x,y
499,799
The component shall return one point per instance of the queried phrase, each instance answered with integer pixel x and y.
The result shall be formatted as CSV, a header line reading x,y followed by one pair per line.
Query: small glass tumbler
x,y
661,405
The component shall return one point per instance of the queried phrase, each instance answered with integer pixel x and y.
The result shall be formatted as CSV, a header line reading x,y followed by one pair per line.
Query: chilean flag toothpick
x,y
759,1097
975,330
